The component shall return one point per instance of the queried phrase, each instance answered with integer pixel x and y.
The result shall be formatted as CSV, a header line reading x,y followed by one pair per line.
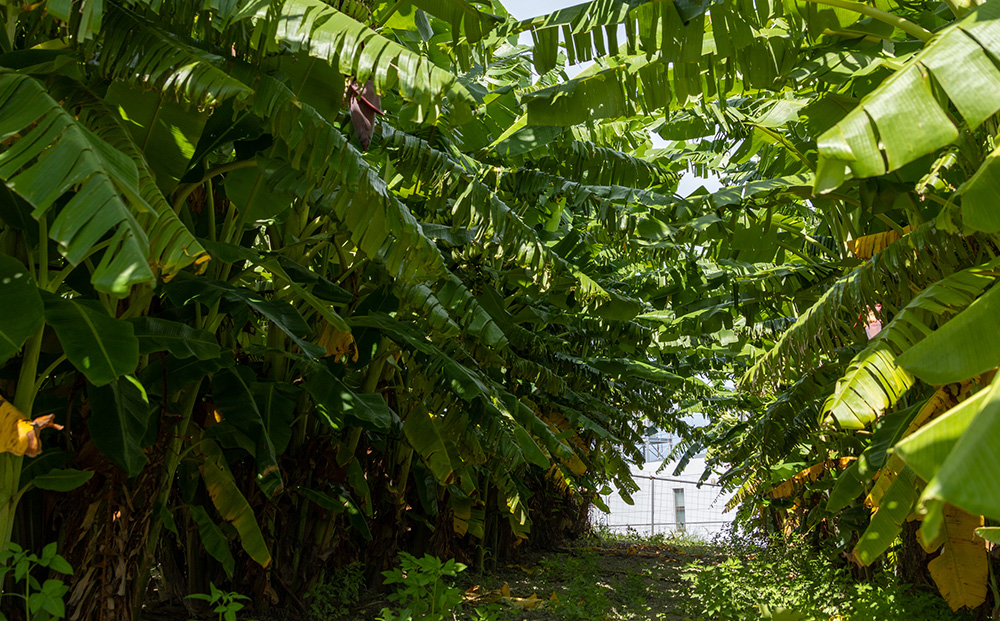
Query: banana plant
x,y
283,328
276,343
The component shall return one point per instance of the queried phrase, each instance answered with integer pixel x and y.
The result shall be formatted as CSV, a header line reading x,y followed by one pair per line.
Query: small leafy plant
x,y
225,604
330,597
42,601
422,592
489,612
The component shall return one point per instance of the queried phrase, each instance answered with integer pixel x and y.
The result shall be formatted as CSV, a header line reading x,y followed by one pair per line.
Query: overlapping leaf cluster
x,y
289,345
273,346
846,275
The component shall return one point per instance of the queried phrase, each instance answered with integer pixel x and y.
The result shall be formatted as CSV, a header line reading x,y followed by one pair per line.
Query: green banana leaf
x,y
101,347
21,310
119,416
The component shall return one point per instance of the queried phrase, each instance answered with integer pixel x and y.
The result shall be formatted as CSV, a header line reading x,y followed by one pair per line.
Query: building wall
x,y
655,508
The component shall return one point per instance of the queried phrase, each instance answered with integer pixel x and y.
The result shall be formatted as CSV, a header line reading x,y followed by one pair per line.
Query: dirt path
x,y
609,581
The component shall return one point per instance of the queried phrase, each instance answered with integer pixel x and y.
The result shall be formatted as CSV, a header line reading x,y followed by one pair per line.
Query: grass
x,y
628,577
616,579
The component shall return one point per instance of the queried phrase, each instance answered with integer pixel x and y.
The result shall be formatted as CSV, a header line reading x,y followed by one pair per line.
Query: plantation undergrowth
x,y
620,578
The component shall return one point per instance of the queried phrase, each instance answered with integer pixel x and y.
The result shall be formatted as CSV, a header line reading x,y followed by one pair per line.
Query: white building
x,y
667,503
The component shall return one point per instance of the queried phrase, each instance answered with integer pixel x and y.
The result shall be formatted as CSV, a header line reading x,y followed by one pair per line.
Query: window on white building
x,y
679,508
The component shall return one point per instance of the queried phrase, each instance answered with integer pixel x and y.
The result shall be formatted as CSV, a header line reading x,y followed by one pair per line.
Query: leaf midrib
x,y
79,309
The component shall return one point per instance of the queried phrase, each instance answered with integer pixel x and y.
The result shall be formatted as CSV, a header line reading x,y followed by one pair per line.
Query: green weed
x,y
330,597
225,604
422,593
42,601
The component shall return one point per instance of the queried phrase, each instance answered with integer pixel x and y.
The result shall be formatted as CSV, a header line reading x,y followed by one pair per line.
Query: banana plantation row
x,y
286,285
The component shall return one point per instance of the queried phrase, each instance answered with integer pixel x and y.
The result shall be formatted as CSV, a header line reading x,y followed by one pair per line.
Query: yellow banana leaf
x,y
20,435
961,570
868,246
338,344
893,497
888,474
231,503
808,475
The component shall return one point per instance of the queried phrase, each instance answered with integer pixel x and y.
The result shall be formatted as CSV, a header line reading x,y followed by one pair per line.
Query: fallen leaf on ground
x,y
527,603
